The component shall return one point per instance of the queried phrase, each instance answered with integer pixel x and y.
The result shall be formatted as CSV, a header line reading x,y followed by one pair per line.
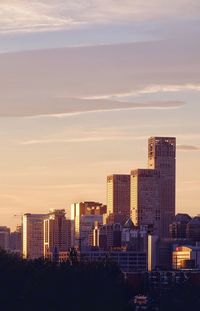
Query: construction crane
x,y
19,216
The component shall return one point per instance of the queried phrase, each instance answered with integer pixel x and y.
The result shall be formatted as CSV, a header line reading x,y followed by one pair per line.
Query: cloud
x,y
170,88
20,16
188,148
61,107
101,135
74,81
84,135
89,72
151,89
78,140
17,16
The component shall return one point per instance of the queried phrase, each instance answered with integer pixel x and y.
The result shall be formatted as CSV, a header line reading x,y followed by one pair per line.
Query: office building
x,y
87,225
4,238
128,261
193,229
145,198
186,257
159,253
178,228
118,198
134,238
162,157
56,233
87,208
33,235
108,236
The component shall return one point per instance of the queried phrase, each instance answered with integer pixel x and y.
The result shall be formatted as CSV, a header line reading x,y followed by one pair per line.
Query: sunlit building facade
x,y
87,208
186,257
182,255
145,198
87,225
118,198
33,235
162,157
56,233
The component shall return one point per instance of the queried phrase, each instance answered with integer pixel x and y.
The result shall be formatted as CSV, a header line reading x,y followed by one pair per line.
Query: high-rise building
x,y
56,233
33,235
145,198
162,157
118,198
4,238
87,208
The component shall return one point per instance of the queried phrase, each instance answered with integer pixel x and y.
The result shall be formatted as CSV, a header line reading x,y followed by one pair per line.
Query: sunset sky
x,y
83,85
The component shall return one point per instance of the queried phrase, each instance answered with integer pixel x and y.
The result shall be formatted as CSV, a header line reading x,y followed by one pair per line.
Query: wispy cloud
x,y
170,88
34,83
151,89
66,107
18,15
80,139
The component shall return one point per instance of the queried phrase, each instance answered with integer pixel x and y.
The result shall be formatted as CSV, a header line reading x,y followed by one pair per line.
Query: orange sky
x,y
82,89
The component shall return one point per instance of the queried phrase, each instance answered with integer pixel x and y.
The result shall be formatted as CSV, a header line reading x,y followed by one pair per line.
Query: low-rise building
x,y
128,261
186,257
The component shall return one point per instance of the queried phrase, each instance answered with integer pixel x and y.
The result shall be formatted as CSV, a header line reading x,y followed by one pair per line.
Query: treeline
x,y
71,286
77,286
184,297
181,296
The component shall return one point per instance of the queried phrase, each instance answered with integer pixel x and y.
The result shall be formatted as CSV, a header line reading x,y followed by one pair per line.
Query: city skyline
x,y
119,191
82,87
17,216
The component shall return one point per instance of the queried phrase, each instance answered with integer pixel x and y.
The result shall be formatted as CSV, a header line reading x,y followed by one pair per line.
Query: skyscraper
x,y
118,197
56,233
145,198
33,235
162,157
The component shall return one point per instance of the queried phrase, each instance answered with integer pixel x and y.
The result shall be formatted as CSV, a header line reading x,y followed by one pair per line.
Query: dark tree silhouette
x,y
73,285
